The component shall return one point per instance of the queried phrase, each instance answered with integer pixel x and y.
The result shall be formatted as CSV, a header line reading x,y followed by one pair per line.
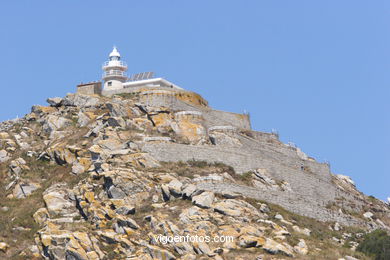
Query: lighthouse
x,y
114,74
115,80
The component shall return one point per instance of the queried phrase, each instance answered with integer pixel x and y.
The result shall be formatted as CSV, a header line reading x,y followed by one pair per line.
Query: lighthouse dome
x,y
115,53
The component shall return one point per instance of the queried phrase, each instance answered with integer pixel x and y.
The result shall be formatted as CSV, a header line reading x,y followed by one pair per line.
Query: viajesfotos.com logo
x,y
193,238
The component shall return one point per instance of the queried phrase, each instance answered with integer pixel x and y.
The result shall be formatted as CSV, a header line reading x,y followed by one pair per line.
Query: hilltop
x,y
101,177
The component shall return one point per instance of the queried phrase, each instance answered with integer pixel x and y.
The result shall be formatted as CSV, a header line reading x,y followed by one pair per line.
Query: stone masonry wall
x,y
311,183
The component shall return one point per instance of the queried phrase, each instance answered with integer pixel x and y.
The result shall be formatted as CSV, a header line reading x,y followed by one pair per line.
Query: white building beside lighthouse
x,y
116,81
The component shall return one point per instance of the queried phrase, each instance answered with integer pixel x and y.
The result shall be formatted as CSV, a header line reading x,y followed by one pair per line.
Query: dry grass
x,y
20,213
191,168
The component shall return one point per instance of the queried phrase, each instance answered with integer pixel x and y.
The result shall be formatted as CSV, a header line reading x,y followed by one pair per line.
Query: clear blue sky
x,y
316,71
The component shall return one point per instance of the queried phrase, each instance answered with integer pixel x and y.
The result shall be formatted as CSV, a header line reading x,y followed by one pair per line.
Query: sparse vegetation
x,y
193,167
376,244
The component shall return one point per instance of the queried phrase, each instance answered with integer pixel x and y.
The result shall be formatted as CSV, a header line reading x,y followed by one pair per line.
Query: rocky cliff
x,y
91,177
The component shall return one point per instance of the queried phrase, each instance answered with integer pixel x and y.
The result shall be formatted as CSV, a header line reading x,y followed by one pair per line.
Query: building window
x,y
109,83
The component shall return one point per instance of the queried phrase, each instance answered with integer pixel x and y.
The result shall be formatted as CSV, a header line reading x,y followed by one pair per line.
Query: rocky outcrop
x,y
120,178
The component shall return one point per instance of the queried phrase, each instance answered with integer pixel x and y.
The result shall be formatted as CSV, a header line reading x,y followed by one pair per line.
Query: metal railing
x,y
114,63
114,73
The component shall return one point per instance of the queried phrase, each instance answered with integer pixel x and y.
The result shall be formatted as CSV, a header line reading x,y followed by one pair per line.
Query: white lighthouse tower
x,y
114,71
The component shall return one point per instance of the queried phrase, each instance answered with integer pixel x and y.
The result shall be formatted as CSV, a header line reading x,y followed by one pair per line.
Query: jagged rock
x,y
57,200
189,190
301,247
264,208
22,190
251,241
127,222
54,102
53,123
166,195
18,165
42,110
368,215
175,187
83,119
78,168
116,193
202,248
4,156
227,208
272,247
204,200
110,144
41,215
279,217
264,180
235,208
125,210
81,101
159,253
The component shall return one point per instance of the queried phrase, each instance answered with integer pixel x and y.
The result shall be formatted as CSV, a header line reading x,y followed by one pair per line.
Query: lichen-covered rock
x,y
273,247
204,200
41,215
53,123
58,200
79,100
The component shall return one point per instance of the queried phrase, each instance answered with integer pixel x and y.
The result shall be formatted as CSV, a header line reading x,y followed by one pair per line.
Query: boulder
x,y
53,123
79,100
57,200
78,168
165,192
273,247
159,253
4,156
40,216
301,247
83,119
127,222
25,189
125,210
368,215
188,190
227,208
54,102
175,187
251,241
204,200
4,247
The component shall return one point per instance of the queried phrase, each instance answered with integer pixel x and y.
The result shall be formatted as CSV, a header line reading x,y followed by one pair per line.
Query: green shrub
x,y
376,244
